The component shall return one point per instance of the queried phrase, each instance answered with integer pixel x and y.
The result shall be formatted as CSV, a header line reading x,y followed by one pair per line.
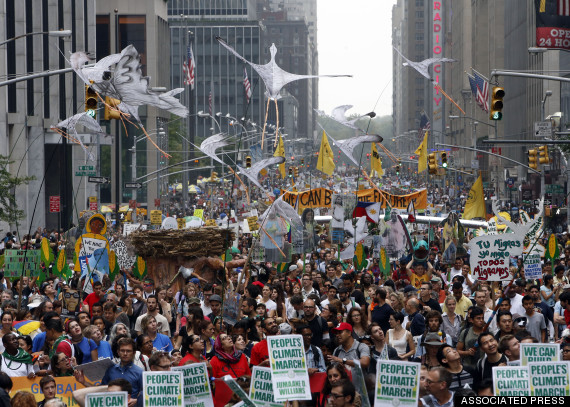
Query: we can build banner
x,y
552,24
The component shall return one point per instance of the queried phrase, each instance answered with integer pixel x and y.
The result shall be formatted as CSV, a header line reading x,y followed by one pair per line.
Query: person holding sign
x,y
227,360
126,369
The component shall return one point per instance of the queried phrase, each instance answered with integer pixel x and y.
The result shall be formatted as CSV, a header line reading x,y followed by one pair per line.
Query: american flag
x,y
188,67
246,85
425,125
564,7
481,94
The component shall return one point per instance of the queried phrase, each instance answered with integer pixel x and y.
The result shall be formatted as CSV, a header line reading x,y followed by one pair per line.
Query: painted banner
x,y
552,24
261,388
397,384
64,388
549,379
110,399
18,261
288,368
532,267
539,352
197,390
162,389
490,256
510,381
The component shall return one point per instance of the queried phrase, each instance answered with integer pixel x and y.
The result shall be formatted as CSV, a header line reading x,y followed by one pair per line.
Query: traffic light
x,y
248,162
111,108
398,168
533,159
432,163
90,102
296,171
302,162
290,171
497,95
543,152
444,159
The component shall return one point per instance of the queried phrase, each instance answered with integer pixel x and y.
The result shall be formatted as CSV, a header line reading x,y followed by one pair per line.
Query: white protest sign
x,y
169,223
261,388
510,381
91,244
549,379
539,352
123,258
197,390
110,399
131,227
532,267
490,256
236,388
162,389
288,368
397,383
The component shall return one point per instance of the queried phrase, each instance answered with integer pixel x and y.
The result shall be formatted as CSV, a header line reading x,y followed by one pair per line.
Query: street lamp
x,y
543,102
56,33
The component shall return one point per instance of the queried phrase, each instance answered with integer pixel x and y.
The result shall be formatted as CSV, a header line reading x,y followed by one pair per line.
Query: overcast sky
x,y
355,38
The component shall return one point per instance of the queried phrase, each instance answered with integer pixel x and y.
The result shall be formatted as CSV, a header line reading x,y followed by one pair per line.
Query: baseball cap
x,y
519,282
343,326
293,267
410,289
195,280
436,279
215,297
194,300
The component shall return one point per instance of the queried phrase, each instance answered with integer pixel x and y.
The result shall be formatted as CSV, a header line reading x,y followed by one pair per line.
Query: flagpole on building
x,y
188,154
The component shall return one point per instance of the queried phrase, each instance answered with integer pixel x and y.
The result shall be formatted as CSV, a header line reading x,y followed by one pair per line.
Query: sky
x,y
355,38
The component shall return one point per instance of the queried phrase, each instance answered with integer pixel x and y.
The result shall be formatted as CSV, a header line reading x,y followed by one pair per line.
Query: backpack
x,y
316,355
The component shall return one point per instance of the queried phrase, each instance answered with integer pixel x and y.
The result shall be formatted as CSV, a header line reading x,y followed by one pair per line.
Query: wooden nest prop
x,y
199,242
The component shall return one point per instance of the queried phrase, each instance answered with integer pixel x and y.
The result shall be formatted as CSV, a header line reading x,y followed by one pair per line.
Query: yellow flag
x,y
325,162
422,152
376,162
280,152
475,205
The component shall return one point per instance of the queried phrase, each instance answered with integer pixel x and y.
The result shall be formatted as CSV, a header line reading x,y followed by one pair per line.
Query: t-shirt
x,y
162,343
90,300
319,327
259,352
535,324
86,346
433,304
381,315
104,350
469,338
485,367
161,324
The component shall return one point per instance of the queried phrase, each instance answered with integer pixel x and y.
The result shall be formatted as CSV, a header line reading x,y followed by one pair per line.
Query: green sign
x,y
86,168
162,389
17,261
554,189
549,379
510,381
110,399
539,352
289,373
197,390
397,383
261,389
85,173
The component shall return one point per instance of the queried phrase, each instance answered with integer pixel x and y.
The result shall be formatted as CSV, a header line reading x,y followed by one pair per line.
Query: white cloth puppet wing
x,y
253,172
211,144
347,146
283,210
423,66
520,229
84,120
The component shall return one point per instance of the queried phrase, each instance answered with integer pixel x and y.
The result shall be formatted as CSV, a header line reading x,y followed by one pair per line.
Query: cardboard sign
x,y
131,227
64,388
156,217
511,381
91,244
181,223
539,352
397,384
18,261
123,258
532,267
211,222
490,256
288,368
110,399
261,388
197,390
162,389
549,379
252,223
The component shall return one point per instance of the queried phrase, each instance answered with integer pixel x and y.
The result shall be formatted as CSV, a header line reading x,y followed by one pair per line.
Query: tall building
x,y
31,106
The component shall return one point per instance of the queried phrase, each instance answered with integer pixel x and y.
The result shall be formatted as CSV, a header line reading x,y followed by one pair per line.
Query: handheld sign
x,y
510,381
261,388
288,368
532,266
549,379
397,383
155,217
539,352
111,399
236,388
490,255
197,390
162,389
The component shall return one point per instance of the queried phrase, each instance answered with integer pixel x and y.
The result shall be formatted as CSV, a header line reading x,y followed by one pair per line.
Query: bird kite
x,y
211,144
284,210
274,79
338,114
348,146
82,119
253,172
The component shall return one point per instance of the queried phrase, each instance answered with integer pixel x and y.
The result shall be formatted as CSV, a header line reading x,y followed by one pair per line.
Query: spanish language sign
x,y
111,399
549,379
197,390
261,390
490,256
397,383
539,352
532,266
510,381
288,368
162,389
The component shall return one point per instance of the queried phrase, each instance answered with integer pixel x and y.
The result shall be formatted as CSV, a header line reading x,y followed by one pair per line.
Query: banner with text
x,y
490,256
64,388
549,379
197,390
17,262
162,389
110,399
397,383
539,352
288,368
552,24
510,381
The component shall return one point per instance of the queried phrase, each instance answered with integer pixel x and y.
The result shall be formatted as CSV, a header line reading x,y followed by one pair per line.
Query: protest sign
x,y
199,213
236,388
156,217
110,399
94,371
510,381
181,223
131,227
490,256
397,383
252,223
549,379
532,267
539,352
288,368
261,388
18,261
210,222
64,388
162,389
197,390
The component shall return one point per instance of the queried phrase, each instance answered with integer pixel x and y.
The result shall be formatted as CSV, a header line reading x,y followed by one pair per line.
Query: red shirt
x,y
235,370
189,358
259,353
90,300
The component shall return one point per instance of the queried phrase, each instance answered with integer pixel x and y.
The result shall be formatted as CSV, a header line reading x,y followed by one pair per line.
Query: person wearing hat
x,y
148,285
437,292
349,349
293,273
431,343
215,306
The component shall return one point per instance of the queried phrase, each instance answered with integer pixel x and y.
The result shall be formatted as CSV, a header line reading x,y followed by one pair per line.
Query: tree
x,y
9,211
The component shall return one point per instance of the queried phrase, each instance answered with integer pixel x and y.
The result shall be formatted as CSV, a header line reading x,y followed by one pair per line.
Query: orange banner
x,y
396,201
313,198
65,386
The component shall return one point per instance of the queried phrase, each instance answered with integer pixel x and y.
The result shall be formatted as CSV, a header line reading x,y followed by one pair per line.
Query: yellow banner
x,y
314,198
396,201
65,386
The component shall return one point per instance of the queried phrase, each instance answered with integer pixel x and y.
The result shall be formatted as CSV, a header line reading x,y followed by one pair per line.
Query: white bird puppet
x,y
274,79
338,114
520,229
347,146
284,210
82,119
211,144
253,172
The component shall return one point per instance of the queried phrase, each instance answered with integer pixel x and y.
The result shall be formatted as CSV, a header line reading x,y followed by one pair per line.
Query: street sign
x,y
54,204
475,164
86,168
132,203
543,129
92,203
99,180
554,189
510,182
133,185
85,173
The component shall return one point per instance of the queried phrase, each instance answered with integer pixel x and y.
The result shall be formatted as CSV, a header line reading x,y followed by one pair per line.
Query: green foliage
x,y
9,211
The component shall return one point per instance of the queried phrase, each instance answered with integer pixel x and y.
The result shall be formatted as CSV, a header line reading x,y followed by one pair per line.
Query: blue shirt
x,y
162,342
39,342
86,346
104,350
132,373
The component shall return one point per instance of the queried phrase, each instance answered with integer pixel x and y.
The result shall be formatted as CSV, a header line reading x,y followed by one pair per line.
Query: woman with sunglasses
x,y
194,346
62,365
228,360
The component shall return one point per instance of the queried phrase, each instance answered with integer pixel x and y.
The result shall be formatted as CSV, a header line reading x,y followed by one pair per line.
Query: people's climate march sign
x,y
289,373
536,379
196,387
397,384
162,389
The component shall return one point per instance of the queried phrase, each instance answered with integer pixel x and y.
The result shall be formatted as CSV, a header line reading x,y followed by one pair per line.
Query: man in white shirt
x,y
457,268
308,288
152,309
516,299
480,301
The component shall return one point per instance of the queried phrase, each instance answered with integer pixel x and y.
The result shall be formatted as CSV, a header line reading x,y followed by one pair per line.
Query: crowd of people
x,y
422,311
